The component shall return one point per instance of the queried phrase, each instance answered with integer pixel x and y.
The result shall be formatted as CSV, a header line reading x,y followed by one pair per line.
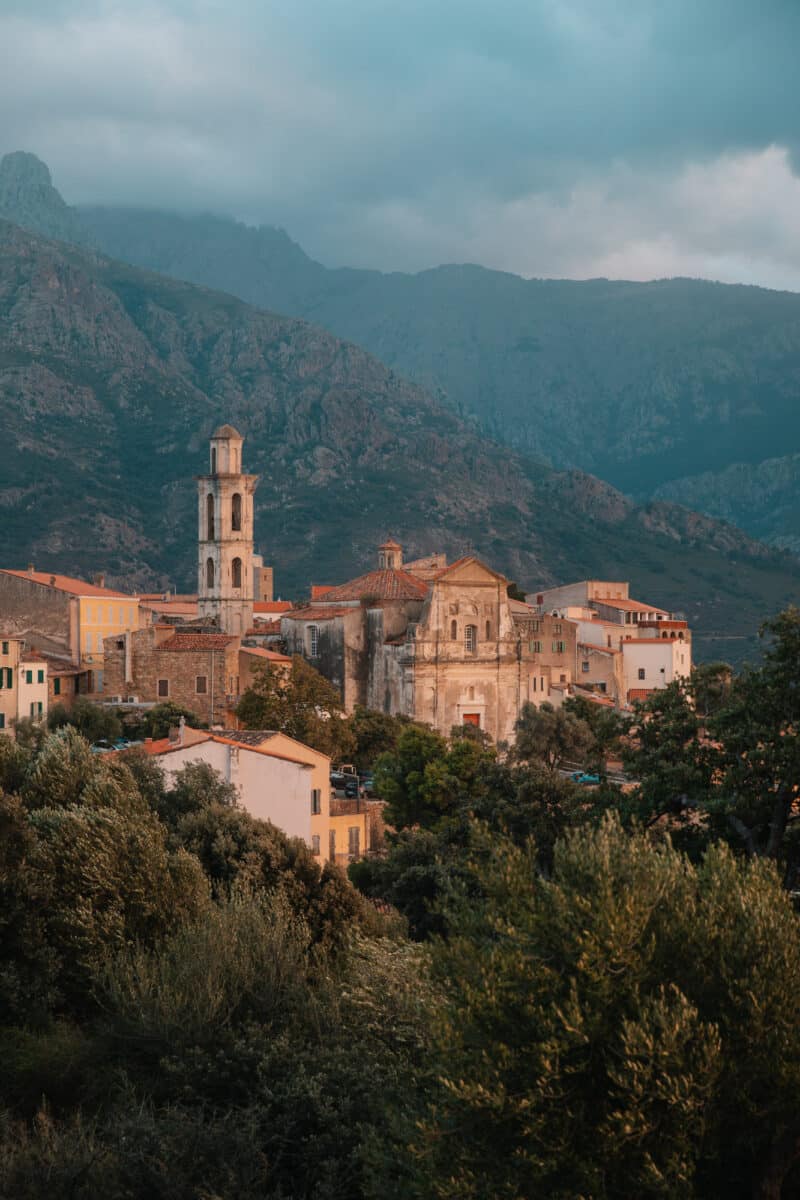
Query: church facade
x,y
445,646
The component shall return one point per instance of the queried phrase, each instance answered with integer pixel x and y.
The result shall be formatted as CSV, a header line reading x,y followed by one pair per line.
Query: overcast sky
x,y
628,138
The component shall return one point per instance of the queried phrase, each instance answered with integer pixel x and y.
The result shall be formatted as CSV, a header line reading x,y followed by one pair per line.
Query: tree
x,y
550,736
375,733
608,727
630,1028
95,722
710,686
304,706
425,778
156,722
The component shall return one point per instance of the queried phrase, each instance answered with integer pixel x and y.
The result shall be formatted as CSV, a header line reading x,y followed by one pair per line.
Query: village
x,y
442,644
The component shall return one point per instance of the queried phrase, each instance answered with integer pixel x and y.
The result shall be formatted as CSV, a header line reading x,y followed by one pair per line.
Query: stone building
x,y
226,567
201,671
444,646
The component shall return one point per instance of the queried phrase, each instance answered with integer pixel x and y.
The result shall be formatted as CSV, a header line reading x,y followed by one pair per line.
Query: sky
x,y
570,138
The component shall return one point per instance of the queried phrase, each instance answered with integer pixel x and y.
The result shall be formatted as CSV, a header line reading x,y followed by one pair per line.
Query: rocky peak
x,y
28,198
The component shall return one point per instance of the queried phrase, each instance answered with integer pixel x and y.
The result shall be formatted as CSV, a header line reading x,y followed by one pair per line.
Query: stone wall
x,y
150,662
35,612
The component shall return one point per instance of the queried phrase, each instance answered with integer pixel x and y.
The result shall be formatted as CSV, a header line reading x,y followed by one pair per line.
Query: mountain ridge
x,y
111,378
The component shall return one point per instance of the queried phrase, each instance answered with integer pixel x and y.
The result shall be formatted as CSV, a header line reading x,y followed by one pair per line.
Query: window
x,y
454,631
57,686
236,512
40,676
488,631
130,616
354,841
87,643
5,647
559,647
2,720
641,672
110,615
201,685
602,687
36,708
315,843
533,682
534,626
99,643
316,802
562,679
332,845
210,517
29,676
470,638
585,667
209,573
9,677
313,640
557,629
163,687
536,647
236,572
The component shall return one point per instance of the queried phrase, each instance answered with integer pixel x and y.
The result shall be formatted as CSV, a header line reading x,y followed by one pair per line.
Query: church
x,y
442,644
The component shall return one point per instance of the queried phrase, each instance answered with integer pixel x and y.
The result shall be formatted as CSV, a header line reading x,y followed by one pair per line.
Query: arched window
x,y
470,638
209,573
488,631
454,631
210,517
236,511
213,460
236,573
313,640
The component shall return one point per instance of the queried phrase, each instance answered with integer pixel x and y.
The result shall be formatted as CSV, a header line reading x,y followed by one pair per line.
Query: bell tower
x,y
390,555
225,546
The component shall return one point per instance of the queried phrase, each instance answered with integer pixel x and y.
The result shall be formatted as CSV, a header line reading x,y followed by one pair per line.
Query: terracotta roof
x,y
170,597
627,605
316,614
639,693
175,608
592,646
165,746
272,606
265,629
260,652
318,590
395,584
62,666
65,583
197,641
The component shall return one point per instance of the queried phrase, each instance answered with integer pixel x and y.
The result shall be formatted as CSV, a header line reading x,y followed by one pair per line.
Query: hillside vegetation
x,y
111,380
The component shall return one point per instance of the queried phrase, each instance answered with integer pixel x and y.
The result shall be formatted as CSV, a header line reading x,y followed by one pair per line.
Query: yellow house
x,y
58,611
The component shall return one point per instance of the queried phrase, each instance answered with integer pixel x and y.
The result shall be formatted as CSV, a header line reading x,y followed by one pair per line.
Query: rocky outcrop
x,y
111,379
27,197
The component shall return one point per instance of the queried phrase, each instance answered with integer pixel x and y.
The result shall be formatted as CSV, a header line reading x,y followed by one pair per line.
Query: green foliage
x,y
551,736
374,733
156,722
710,686
608,727
305,706
609,1033
425,777
95,722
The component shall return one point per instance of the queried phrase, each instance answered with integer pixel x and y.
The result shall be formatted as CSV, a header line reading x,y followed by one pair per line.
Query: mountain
x,y
27,196
649,385
111,379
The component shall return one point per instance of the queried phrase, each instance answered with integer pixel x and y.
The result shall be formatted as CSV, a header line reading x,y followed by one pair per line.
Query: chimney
x,y
30,568
52,581
100,580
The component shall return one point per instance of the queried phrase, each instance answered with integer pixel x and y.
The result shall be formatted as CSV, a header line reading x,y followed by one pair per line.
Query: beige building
x,y
626,648
66,616
441,644
23,684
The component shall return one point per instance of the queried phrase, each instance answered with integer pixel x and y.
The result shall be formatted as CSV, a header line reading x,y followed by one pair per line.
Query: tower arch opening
x,y
210,532
210,573
236,512
236,573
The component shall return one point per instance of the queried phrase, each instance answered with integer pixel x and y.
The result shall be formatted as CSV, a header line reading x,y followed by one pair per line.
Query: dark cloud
x,y
546,136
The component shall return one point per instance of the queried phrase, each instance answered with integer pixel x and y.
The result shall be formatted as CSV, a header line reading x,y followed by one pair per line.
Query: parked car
x,y
584,778
351,788
367,781
338,780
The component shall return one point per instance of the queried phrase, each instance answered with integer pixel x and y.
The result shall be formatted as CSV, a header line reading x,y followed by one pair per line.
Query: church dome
x,y
227,431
